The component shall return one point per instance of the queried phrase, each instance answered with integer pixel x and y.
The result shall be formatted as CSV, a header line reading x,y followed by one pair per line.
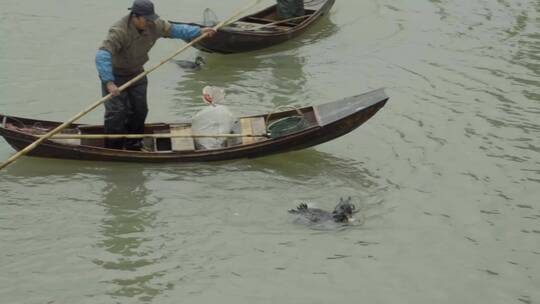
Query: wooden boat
x,y
324,122
262,29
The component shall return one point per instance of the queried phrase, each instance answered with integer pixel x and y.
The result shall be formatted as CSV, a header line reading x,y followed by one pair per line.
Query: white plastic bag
x,y
214,119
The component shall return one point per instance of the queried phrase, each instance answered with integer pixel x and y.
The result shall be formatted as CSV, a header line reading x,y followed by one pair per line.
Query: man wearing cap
x,y
121,57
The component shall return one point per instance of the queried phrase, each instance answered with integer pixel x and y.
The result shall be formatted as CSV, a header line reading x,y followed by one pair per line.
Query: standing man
x,y
287,9
121,57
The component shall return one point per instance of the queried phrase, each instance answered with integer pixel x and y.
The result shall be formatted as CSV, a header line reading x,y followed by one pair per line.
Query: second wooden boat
x,y
262,29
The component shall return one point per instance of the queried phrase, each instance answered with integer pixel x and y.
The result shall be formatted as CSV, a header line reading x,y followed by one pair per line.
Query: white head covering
x,y
218,94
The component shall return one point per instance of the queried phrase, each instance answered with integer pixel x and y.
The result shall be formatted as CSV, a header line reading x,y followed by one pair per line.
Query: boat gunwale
x,y
16,135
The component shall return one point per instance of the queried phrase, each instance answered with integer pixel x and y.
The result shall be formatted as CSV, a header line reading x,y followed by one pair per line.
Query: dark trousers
x,y
126,113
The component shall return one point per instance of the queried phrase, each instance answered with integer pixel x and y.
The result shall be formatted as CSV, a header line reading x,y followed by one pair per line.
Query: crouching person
x,y
287,9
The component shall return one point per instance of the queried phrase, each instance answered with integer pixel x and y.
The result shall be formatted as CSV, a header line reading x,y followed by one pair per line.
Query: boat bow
x,y
331,112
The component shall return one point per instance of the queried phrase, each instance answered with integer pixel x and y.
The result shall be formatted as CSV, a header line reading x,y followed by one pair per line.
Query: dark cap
x,y
144,8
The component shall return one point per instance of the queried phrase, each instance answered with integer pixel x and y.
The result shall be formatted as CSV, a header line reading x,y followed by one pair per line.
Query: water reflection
x,y
310,165
255,81
261,81
126,238
263,189
37,172
323,29
299,167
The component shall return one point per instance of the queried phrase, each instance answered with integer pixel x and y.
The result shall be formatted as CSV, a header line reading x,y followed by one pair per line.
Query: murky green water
x,y
447,174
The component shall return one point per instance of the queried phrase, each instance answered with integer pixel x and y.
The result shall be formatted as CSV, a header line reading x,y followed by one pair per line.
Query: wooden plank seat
x,y
252,126
240,25
174,143
271,22
261,19
181,143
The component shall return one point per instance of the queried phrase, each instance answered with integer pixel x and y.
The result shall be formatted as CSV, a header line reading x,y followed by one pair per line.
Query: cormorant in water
x,y
342,213
192,65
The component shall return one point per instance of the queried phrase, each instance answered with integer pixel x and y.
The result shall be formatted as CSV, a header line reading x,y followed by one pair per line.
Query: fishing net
x,y
286,125
209,17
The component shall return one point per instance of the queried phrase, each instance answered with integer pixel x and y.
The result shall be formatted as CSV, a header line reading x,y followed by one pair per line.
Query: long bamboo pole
x,y
32,146
158,135
278,22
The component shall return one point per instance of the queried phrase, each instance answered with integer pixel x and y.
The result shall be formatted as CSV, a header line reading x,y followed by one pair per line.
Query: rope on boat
x,y
36,129
37,125
313,2
15,120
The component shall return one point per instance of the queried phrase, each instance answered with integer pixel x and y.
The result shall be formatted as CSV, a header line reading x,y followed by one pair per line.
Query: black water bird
x,y
192,65
342,213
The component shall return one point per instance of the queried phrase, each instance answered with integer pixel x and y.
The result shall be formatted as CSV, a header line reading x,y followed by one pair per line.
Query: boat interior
x,y
267,20
251,125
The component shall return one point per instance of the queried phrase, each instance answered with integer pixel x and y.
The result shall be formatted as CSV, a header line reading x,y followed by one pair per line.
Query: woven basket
x,y
286,125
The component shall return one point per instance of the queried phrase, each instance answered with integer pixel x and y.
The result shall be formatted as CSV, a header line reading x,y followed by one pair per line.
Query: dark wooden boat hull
x,y
333,120
229,40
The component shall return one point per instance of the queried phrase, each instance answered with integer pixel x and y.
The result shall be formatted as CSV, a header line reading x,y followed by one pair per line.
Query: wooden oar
x,y
162,135
278,22
32,146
